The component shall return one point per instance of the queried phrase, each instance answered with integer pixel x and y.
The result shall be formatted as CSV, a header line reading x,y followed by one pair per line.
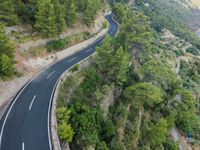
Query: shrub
x,y
193,50
105,24
86,35
7,67
56,45
75,68
65,131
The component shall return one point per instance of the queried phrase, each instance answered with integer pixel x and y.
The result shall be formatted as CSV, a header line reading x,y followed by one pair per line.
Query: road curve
x,y
25,125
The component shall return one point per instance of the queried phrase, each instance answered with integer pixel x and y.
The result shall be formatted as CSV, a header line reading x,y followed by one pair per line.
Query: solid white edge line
x,y
23,146
51,74
32,102
90,49
49,111
10,108
17,96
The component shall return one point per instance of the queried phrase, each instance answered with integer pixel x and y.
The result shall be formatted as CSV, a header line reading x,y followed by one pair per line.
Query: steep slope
x,y
155,90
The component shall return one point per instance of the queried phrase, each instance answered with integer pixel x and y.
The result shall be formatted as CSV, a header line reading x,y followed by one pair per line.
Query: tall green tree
x,y
70,12
119,66
7,12
59,15
81,5
45,18
135,30
90,11
158,132
26,10
7,68
86,122
6,47
144,93
6,54
104,56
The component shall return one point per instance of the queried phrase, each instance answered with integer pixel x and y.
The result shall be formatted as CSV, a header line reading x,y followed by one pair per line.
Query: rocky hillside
x,y
137,91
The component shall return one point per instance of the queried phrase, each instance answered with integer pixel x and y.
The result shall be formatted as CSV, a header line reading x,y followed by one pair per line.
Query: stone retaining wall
x,y
84,63
54,135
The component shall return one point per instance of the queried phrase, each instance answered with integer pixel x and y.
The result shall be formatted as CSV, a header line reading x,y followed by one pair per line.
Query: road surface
x,y
25,125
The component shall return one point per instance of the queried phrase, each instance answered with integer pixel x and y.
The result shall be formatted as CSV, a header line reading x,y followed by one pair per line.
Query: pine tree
x,y
123,66
158,132
81,5
60,16
7,12
71,12
6,54
6,46
104,56
90,11
7,67
45,18
26,10
144,94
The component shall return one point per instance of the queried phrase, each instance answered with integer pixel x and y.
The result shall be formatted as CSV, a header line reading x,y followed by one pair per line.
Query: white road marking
x,y
32,102
51,74
23,146
89,50
72,59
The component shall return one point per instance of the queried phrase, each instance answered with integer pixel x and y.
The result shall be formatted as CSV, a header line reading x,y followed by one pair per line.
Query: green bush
x,y
75,68
178,52
7,67
193,50
65,131
105,24
86,35
56,45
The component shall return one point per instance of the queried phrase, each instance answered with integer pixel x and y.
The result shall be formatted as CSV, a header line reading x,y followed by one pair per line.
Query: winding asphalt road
x,y
25,125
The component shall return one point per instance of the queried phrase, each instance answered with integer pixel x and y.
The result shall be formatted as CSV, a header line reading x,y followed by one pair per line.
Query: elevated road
x,y
25,125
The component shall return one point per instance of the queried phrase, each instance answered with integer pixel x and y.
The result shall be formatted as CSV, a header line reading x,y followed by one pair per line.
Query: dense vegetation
x,y
171,15
149,99
49,17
